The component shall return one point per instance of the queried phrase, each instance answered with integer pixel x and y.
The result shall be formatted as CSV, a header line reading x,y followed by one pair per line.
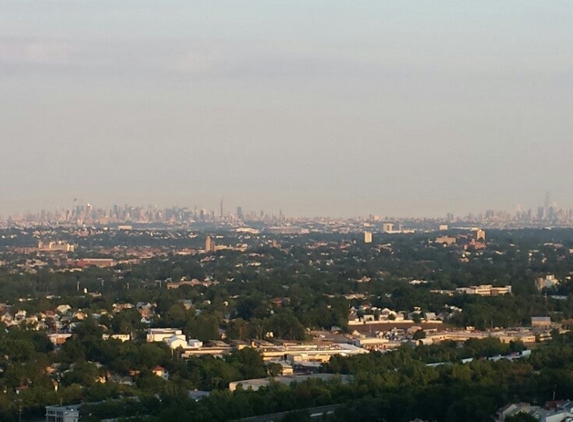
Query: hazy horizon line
x,y
274,211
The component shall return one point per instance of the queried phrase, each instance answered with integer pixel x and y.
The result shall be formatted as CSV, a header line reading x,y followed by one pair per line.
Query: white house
x,y
195,344
161,334
176,341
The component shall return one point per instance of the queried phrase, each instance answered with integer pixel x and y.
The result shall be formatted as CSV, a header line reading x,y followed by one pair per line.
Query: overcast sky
x,y
314,107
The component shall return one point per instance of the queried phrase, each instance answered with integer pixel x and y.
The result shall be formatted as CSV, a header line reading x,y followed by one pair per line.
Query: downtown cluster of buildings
x,y
86,214
549,214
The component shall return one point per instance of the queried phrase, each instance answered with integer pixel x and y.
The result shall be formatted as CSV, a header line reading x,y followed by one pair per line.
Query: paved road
x,y
314,412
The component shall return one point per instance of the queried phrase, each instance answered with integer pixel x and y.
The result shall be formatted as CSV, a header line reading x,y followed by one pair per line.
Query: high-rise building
x,y
387,227
480,235
547,205
209,244
367,237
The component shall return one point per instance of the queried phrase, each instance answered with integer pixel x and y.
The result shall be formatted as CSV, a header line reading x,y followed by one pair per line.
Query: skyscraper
x,y
367,237
209,244
546,205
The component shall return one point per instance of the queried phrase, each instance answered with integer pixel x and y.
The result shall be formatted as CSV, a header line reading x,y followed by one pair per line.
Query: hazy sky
x,y
316,107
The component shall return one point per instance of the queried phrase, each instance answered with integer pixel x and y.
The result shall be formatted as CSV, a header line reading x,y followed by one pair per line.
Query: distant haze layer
x,y
313,107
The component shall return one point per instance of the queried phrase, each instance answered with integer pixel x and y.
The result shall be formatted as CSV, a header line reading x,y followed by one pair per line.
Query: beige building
x,y
485,290
59,246
446,240
547,282
543,322
387,227
209,244
367,237
161,334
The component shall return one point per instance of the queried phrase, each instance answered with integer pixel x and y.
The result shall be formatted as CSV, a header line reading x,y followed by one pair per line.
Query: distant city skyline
x,y
316,108
223,208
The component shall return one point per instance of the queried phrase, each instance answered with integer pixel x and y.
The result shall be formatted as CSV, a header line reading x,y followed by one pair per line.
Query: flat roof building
x,y
63,413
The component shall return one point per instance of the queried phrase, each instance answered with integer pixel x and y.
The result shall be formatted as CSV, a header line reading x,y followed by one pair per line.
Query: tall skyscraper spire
x,y
547,205
547,199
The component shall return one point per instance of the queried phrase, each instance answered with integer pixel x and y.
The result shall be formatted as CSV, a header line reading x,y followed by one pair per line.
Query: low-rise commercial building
x,y
63,413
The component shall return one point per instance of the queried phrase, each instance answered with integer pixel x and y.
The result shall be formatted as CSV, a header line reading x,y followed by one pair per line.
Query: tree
x,y
84,373
249,362
297,416
521,417
126,321
274,369
237,329
202,327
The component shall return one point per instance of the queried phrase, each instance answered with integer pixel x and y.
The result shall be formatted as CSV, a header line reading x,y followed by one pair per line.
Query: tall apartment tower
x,y
387,227
547,205
209,244
367,237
